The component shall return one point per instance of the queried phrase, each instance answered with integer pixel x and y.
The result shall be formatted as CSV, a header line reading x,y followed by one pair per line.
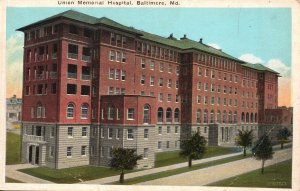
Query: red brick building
x,y
91,84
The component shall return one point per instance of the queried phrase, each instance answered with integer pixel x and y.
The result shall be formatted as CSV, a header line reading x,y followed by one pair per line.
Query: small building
x,y
13,109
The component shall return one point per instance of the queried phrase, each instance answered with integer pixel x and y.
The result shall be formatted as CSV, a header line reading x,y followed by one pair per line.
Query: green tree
x,y
244,139
283,135
194,147
263,150
124,159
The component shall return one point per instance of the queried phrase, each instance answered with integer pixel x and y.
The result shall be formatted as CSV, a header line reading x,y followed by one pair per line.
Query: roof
x,y
259,67
183,43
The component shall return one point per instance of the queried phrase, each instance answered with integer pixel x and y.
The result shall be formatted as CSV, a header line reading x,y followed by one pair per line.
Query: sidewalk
x,y
216,173
156,170
11,171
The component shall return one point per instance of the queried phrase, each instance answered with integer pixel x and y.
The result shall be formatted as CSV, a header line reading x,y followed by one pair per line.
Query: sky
x,y
255,35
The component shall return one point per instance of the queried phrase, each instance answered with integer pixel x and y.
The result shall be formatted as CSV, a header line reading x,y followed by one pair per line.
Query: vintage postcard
x,y
184,95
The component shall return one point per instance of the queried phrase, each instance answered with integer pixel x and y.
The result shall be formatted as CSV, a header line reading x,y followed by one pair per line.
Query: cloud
x,y
279,66
214,45
14,64
251,58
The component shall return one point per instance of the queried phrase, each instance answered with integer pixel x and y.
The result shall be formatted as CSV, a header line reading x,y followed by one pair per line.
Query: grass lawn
x,y
12,148
179,170
275,176
70,175
172,157
11,180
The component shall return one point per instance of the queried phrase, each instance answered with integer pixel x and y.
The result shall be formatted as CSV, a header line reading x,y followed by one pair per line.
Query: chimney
x,y
200,41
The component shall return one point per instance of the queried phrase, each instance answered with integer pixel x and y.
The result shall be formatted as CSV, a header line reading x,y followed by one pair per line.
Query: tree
x,y
283,135
193,148
244,139
124,159
263,150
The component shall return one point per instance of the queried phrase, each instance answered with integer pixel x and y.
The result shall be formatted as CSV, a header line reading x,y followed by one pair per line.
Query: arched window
x,y
146,118
198,116
110,112
212,116
224,116
247,117
235,117
218,116
70,110
176,115
160,114
251,118
243,117
169,115
205,116
84,111
229,117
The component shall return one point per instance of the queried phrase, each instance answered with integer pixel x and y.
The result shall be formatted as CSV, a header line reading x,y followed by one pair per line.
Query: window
x,y
109,152
169,83
69,151
176,129
110,113
70,110
212,74
199,86
102,132
160,113
38,111
159,130
160,82
73,29
84,111
169,115
177,70
142,79
151,65
112,55
110,133
206,72
168,144
146,133
225,89
143,63
118,133
176,98
70,131
71,89
118,57
51,154
198,116
198,99
212,100
130,114
161,67
85,90
73,51
146,118
169,68
224,76
102,152
206,86
212,87
123,57
146,151
168,129
160,97
124,40
177,143
177,84
123,75
151,81
159,145
117,74
52,132
130,134
169,97
83,150
176,115
84,131
199,71
32,112
87,33
205,100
